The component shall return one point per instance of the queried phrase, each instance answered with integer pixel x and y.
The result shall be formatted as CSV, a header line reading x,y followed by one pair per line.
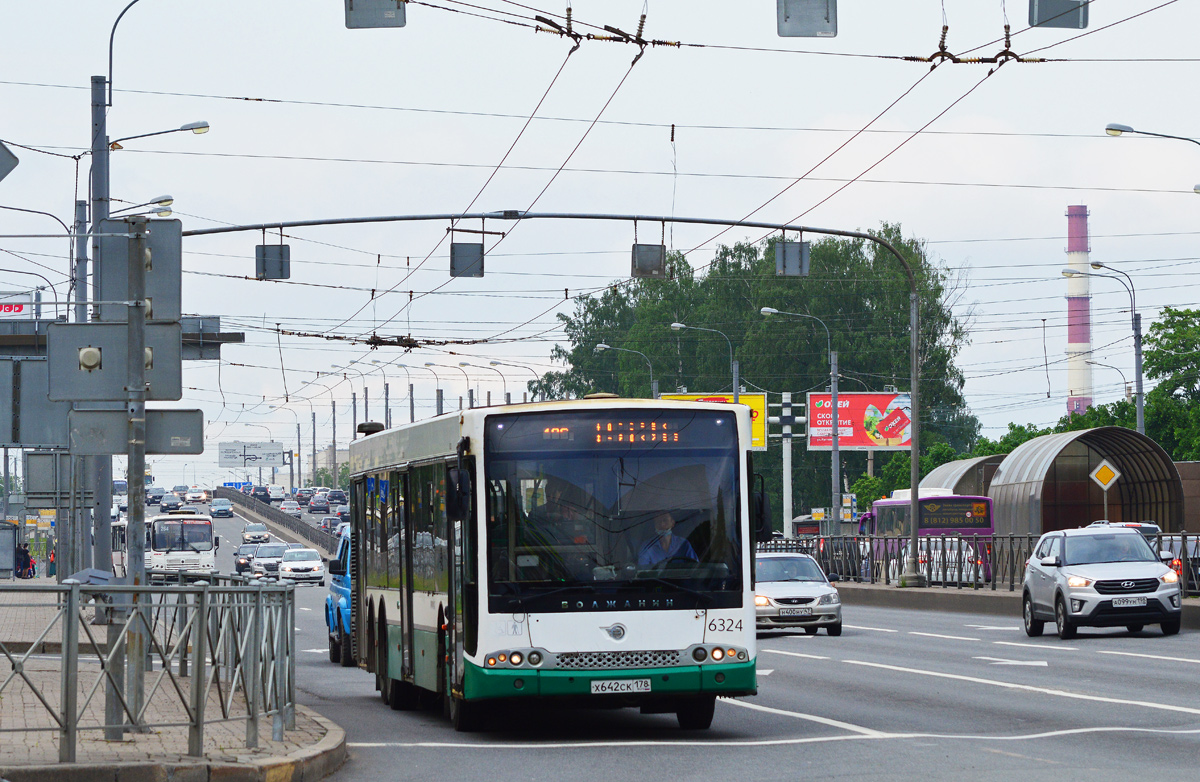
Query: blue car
x,y
220,507
337,604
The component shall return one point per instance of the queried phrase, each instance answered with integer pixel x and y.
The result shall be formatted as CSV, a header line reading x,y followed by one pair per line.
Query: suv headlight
x,y
1078,581
1170,577
833,598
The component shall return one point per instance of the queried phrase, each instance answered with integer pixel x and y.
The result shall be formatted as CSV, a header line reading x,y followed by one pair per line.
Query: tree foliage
x,y
857,288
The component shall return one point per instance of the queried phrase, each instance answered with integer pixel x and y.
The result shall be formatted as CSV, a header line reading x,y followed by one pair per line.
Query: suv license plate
x,y
795,612
608,686
1128,602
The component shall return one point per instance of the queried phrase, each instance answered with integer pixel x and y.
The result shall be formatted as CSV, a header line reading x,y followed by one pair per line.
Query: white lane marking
x,y
765,742
793,654
314,651
1055,647
765,671
947,637
1030,688
876,629
1002,661
1154,657
305,609
994,627
860,730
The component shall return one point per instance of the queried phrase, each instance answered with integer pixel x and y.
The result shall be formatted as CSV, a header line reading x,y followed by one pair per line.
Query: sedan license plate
x,y
795,612
1129,602
619,686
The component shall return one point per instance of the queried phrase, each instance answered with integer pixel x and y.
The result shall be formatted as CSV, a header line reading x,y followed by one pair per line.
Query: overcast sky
x,y
312,120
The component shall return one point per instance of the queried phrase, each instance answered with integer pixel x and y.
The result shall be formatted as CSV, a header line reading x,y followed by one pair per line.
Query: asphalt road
x,y
900,695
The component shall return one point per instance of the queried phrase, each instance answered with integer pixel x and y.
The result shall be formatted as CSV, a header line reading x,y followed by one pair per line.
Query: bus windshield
x,y
632,504
181,535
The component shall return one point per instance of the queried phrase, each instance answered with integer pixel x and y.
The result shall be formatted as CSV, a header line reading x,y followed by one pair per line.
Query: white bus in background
x,y
174,542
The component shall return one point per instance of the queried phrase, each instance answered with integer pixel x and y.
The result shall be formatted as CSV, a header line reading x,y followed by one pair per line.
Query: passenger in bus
x,y
665,546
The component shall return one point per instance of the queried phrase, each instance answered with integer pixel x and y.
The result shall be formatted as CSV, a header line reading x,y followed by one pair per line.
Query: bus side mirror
x,y
761,512
217,542
335,568
458,493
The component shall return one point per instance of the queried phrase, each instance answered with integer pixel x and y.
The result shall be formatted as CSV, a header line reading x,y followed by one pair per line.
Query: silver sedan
x,y
792,591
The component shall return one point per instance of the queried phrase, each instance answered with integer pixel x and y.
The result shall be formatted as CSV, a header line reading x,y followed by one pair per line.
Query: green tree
x,y
856,288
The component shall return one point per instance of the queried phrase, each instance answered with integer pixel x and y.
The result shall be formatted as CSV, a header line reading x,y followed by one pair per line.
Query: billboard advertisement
x,y
867,421
16,305
758,412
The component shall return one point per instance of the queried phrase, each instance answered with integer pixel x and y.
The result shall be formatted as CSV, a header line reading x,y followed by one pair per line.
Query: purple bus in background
x,y
943,519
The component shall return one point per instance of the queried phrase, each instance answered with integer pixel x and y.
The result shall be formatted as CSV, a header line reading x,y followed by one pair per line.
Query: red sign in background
x,y
866,422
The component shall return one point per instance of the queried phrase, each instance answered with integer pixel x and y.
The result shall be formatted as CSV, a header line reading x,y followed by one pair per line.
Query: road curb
x,y
964,601
306,765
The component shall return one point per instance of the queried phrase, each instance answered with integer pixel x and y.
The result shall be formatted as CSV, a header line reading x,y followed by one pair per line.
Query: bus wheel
x,y
467,716
335,649
696,713
346,654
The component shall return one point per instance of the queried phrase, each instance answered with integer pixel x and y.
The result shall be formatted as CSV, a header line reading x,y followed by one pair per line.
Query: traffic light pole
x,y
135,408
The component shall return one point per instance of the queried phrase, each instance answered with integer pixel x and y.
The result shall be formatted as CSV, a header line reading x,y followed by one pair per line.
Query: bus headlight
x,y
718,654
515,658
699,654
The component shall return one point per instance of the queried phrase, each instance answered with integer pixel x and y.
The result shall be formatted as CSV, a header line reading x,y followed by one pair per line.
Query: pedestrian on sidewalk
x,y
51,570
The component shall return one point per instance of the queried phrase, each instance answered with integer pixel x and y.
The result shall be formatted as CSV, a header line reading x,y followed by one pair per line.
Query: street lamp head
x,y
1097,265
195,127
769,311
495,363
1196,189
163,200
1116,129
1073,273
430,364
164,212
464,363
678,327
602,347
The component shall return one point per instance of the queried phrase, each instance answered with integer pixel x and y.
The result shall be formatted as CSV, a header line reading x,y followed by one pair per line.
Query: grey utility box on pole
x,y
1071,14
367,14
649,260
466,259
273,262
89,362
164,271
791,259
806,18
33,420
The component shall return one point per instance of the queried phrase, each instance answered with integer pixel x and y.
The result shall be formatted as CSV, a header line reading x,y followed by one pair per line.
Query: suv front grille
x,y
598,660
1135,585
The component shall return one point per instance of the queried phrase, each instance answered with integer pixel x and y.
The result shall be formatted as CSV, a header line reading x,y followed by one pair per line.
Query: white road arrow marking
x,y
1002,661
766,672
994,627
314,651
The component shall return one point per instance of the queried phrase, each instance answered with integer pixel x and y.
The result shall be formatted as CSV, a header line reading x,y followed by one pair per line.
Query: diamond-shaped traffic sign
x,y
1105,475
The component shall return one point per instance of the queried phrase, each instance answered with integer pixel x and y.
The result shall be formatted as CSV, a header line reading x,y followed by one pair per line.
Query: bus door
x,y
404,537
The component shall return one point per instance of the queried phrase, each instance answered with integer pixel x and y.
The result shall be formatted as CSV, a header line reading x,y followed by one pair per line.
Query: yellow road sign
x,y
1105,475
758,412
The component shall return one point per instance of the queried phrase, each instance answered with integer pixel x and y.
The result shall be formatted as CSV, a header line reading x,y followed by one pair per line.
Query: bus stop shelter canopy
x,y
1044,484
969,477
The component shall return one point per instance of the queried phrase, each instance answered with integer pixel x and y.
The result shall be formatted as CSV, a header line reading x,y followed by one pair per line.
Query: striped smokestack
x,y
1079,313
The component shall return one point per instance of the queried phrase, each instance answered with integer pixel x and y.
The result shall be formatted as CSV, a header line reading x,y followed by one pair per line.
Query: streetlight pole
x,y
536,377
600,348
732,361
835,420
438,390
1124,382
294,473
1137,331
503,380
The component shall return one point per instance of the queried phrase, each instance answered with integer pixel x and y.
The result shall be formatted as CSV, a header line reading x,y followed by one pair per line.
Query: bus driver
x,y
665,546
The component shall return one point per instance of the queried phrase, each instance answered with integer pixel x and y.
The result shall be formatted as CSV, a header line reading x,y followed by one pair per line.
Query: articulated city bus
x,y
598,551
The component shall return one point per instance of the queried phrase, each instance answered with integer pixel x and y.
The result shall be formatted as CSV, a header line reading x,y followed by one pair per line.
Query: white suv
x,y
1099,577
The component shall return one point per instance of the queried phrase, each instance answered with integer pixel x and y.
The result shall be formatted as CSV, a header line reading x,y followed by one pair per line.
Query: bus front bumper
x,y
732,679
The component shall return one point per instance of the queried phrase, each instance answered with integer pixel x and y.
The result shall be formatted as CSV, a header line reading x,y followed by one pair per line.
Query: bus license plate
x,y
619,686
1129,602
795,612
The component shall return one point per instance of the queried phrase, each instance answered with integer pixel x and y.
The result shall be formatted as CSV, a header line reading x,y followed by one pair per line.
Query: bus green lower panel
x,y
736,679
425,659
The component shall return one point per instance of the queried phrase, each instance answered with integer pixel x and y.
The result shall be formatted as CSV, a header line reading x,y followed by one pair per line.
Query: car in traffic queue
x,y
154,495
302,566
169,503
267,559
304,495
336,497
191,509
220,507
329,523
194,494
277,492
243,558
255,533
1099,576
319,503
180,490
291,508
791,591
343,512
261,493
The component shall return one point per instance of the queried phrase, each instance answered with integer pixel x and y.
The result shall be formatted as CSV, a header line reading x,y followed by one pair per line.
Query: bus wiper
x,y
664,582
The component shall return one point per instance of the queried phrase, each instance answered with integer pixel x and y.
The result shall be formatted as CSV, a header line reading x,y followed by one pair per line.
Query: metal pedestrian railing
x,y
311,533
994,562
215,653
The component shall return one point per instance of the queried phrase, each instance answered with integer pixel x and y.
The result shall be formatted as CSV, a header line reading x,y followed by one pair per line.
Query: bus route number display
x,y
636,432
